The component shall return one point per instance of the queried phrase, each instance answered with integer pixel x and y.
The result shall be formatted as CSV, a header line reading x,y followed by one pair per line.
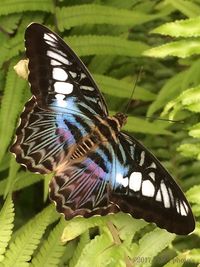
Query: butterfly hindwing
x,y
83,188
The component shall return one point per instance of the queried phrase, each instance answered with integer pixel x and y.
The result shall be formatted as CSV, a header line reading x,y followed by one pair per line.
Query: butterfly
x,y
65,128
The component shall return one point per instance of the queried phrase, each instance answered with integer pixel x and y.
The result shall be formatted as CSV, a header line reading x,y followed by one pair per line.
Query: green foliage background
x,y
115,39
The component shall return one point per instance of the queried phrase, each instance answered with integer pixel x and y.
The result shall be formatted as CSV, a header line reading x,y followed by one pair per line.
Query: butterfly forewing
x,y
65,128
148,191
56,73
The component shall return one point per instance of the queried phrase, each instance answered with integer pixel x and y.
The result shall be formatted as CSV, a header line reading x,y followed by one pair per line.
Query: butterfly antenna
x,y
162,119
133,91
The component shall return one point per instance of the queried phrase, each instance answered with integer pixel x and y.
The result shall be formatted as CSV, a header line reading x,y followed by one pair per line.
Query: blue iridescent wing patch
x,y
65,128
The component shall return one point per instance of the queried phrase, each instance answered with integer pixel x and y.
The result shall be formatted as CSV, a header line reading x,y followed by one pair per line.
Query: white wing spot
x,y
73,74
60,100
153,165
122,180
63,88
182,209
186,207
82,75
148,188
135,181
58,57
50,37
59,74
152,175
142,156
89,88
158,196
55,62
51,44
165,194
177,206
171,195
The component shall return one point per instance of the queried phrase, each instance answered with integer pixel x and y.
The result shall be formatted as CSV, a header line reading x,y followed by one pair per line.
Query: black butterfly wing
x,y
146,190
57,74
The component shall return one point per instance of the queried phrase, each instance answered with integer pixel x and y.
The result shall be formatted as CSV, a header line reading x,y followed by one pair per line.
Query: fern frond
x,y
120,88
18,6
189,100
68,17
10,107
23,179
188,8
180,28
182,49
101,64
84,240
144,126
6,225
14,167
150,245
78,226
26,240
9,23
105,45
92,254
174,86
190,150
4,164
11,48
194,131
51,250
127,226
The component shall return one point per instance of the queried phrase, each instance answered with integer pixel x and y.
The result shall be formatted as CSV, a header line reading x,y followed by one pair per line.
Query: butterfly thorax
x,y
106,129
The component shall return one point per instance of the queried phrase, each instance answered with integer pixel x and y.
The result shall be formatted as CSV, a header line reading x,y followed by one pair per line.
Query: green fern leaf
x,y
194,256
18,6
14,167
84,240
9,23
174,86
78,226
26,241
180,28
195,131
10,107
6,225
22,180
144,126
189,100
150,245
68,17
182,49
120,88
105,45
179,260
193,194
190,150
51,250
188,8
92,253
4,164
127,226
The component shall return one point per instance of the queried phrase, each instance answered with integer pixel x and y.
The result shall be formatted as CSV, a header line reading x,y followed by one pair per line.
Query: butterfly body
x,y
65,128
